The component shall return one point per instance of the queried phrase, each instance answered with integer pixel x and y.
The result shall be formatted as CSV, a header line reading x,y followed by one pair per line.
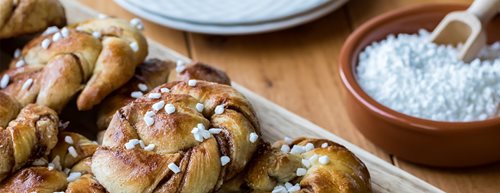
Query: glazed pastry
x,y
20,17
181,137
35,179
68,170
94,57
29,134
307,165
150,74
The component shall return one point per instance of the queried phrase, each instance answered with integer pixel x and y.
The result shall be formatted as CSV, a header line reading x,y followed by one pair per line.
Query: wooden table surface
x,y
297,69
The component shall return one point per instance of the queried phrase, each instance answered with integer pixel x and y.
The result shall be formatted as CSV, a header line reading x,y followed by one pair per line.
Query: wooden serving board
x,y
278,122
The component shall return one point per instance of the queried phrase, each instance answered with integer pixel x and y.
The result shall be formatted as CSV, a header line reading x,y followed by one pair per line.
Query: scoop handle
x,y
485,9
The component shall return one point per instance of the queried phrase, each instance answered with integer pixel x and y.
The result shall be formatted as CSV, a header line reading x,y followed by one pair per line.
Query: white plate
x,y
227,12
250,28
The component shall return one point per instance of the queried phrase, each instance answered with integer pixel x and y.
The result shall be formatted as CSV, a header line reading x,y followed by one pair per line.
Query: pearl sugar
x,y
411,75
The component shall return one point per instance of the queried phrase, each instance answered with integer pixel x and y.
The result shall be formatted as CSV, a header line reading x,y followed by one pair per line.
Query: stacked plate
x,y
230,17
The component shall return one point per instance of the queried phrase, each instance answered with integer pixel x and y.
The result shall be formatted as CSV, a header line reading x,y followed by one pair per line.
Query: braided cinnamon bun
x,y
181,137
306,165
150,74
94,57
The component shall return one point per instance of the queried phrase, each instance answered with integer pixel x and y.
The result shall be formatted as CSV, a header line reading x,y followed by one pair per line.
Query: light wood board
x,y
277,123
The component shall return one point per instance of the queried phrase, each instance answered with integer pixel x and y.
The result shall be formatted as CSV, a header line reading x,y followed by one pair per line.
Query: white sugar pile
x,y
409,74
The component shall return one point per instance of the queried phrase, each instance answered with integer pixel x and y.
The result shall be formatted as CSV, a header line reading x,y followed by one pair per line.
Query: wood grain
x,y
297,69
478,179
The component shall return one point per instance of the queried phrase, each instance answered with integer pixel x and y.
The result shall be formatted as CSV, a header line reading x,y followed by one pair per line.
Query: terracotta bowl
x,y
435,143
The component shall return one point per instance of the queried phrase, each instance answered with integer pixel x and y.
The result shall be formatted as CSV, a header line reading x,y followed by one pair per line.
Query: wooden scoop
x,y
467,27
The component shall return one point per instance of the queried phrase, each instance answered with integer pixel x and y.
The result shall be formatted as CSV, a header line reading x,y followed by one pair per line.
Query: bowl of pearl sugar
x,y
417,100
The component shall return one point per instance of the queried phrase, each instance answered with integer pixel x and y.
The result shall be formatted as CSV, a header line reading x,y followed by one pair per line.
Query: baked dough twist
x,y
315,165
42,178
180,153
153,73
97,56
20,17
30,134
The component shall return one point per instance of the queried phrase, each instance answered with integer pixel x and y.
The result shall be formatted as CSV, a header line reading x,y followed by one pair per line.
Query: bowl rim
x,y
347,76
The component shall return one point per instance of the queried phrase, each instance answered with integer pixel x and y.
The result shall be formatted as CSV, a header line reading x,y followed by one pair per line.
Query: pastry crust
x,y
30,134
9,109
21,17
94,58
84,184
35,179
44,178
